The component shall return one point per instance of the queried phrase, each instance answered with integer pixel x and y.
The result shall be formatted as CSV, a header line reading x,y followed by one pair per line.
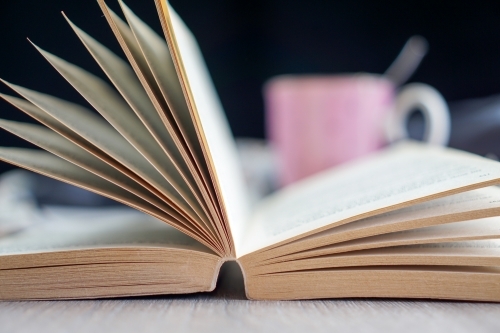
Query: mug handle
x,y
419,96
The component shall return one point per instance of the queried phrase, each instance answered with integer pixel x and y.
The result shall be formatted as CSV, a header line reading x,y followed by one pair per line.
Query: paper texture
x,y
475,204
101,228
394,178
212,124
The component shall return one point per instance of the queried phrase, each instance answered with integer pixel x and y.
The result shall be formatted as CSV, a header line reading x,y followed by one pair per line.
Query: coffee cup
x,y
317,122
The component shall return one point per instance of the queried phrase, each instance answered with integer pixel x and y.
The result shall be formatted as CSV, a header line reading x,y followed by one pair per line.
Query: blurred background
x,y
247,42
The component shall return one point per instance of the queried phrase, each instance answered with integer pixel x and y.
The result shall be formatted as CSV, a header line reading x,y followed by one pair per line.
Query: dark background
x,y
247,42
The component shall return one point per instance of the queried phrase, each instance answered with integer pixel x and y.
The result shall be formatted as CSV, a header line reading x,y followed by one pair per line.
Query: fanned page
x,y
211,123
146,147
404,175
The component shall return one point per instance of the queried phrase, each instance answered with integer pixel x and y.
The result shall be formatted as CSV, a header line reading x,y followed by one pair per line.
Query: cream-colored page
x,y
187,165
190,164
488,228
475,204
213,127
394,178
43,117
98,132
59,146
94,229
157,54
127,83
57,168
47,164
58,127
467,253
120,115
143,73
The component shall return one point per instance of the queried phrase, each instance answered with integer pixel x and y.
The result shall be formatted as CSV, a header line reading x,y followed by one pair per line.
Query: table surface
x,y
226,309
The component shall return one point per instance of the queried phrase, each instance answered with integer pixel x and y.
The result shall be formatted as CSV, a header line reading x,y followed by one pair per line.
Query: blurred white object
x,y
18,208
259,167
408,60
419,96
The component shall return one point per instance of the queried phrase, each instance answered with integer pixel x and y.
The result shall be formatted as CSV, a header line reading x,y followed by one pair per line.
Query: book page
x,y
120,115
96,253
58,127
159,60
191,167
102,135
403,175
157,55
59,146
57,168
138,61
211,123
92,229
69,151
466,253
461,206
127,83
475,204
43,117
483,229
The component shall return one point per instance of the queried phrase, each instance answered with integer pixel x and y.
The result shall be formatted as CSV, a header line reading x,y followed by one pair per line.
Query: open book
x,y
410,221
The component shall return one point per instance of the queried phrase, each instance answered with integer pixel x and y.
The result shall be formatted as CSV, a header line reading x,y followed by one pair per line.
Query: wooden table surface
x,y
226,310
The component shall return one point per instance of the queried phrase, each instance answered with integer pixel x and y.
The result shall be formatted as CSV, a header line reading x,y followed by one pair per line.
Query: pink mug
x,y
316,122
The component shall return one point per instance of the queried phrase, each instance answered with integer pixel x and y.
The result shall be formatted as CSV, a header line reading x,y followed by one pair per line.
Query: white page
x,y
474,230
475,204
93,229
391,179
211,122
